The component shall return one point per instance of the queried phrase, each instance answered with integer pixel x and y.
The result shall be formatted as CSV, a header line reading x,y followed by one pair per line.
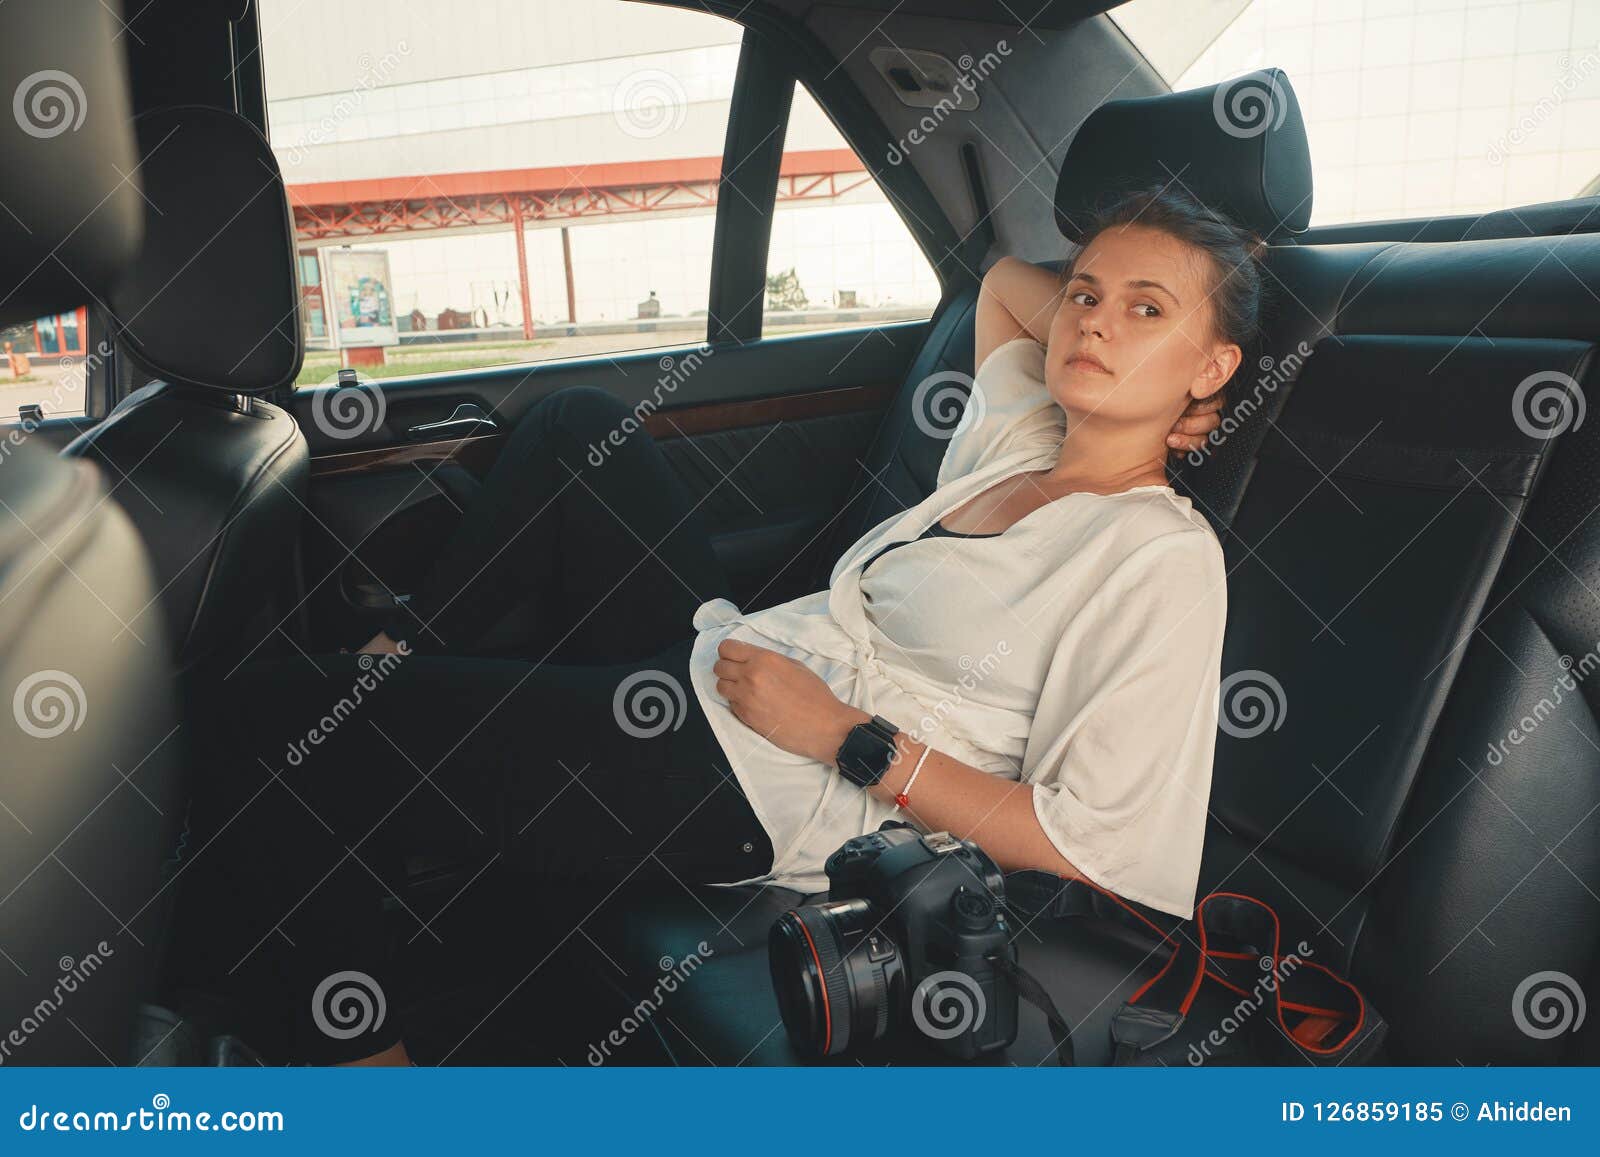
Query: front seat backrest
x,y
213,476
88,774
88,780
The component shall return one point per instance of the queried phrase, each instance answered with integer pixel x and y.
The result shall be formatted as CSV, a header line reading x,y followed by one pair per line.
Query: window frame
x,y
807,62
97,376
747,192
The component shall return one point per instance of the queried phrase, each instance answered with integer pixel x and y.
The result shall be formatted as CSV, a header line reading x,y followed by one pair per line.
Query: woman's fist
x,y
783,699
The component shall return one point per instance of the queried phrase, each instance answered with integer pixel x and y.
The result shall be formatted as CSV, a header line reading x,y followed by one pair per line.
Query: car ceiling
x,y
1036,13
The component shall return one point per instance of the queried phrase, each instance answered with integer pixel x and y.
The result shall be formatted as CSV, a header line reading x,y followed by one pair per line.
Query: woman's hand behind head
x,y
1195,425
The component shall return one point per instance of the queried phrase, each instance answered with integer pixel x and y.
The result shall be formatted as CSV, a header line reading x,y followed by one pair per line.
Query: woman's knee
x,y
594,425
587,412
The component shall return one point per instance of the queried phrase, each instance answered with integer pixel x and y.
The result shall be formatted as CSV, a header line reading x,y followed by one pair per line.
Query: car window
x,y
840,254
1413,110
508,183
46,366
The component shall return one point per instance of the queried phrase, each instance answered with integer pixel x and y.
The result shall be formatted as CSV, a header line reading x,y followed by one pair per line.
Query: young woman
x,y
1041,638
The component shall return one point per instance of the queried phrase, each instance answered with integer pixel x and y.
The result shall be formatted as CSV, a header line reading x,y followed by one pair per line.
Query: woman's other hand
x,y
381,644
784,700
1194,425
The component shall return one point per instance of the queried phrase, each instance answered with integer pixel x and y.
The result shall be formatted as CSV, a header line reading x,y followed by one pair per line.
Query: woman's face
x,y
1132,341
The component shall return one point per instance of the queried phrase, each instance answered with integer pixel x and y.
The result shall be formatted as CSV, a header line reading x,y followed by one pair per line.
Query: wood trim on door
x,y
476,454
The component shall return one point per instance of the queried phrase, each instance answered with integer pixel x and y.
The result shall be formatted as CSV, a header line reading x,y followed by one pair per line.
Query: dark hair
x,y
1237,292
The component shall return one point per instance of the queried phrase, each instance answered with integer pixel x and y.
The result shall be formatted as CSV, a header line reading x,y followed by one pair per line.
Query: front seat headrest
x,y
212,300
70,179
1238,146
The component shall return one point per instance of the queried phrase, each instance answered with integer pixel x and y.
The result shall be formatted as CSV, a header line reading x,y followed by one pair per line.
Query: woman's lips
x,y
1087,362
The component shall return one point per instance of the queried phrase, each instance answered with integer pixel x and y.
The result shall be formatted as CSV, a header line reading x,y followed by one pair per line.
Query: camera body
x,y
909,934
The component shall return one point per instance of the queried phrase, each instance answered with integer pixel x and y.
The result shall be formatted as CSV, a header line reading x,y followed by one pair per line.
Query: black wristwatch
x,y
867,752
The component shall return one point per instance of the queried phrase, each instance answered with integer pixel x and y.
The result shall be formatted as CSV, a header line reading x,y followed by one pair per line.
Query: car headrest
x,y
1238,146
212,300
70,179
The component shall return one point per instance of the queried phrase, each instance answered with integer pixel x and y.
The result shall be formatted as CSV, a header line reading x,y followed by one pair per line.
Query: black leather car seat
x,y
213,476
88,768
1404,501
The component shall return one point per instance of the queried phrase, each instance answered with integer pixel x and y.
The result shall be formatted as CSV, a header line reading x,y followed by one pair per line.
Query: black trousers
x,y
317,773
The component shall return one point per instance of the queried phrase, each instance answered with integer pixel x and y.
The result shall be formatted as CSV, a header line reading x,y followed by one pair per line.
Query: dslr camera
x,y
909,937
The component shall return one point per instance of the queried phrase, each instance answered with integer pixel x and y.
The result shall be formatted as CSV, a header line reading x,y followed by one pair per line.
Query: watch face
x,y
865,755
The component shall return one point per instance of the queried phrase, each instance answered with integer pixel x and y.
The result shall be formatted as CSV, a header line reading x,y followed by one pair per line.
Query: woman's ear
x,y
1218,368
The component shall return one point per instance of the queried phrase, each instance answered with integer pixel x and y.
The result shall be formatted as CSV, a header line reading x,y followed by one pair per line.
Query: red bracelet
x,y
902,797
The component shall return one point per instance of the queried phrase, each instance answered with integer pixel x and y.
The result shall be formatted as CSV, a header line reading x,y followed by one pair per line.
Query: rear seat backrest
x,y
1492,873
1379,512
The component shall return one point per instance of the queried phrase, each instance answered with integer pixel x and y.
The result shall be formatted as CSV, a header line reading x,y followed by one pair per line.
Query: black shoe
x,y
228,1051
163,1038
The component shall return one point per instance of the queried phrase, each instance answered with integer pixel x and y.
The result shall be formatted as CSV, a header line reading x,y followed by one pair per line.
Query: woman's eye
x,y
1154,310
1080,297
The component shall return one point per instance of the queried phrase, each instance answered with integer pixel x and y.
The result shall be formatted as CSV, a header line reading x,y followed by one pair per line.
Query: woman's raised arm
x,y
1018,299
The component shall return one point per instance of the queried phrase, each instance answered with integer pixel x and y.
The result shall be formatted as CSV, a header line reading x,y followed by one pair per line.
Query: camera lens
x,y
838,976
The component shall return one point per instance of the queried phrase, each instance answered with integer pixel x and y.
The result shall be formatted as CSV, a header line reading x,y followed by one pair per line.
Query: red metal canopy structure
x,y
512,198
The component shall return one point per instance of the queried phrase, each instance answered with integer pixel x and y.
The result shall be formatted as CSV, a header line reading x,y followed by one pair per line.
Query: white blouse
x,y
1078,652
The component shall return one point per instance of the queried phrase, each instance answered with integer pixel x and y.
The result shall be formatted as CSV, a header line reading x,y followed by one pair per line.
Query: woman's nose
x,y
1092,321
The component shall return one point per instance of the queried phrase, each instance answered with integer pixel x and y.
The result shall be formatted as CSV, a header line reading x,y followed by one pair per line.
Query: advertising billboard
x,y
362,297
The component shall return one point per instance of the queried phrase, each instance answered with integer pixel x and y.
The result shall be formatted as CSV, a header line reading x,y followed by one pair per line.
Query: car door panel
x,y
767,438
